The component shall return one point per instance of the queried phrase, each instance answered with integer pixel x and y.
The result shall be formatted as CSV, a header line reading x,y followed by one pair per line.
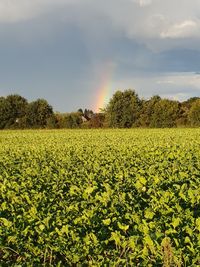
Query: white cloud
x,y
156,24
181,79
178,86
19,10
187,28
143,3
12,11
165,82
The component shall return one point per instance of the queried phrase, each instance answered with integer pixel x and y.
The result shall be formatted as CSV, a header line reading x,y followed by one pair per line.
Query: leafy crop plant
x,y
100,197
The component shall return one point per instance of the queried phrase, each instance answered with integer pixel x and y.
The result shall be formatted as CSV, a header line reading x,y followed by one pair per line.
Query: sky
x,y
77,53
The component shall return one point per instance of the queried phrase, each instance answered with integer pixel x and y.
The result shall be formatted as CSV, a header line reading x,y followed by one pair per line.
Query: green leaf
x,y
198,224
149,214
142,180
131,243
41,227
123,227
115,236
150,244
65,229
107,221
176,222
187,240
33,212
6,222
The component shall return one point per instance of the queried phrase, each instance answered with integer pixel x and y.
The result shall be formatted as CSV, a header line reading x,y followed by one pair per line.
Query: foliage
x,y
165,113
100,198
12,109
147,111
123,108
194,113
97,121
4,112
37,114
67,120
73,120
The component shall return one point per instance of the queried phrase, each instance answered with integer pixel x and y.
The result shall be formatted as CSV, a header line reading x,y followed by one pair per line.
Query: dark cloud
x,y
59,50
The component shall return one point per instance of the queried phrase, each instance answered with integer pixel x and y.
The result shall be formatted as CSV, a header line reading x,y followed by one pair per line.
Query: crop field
x,y
100,197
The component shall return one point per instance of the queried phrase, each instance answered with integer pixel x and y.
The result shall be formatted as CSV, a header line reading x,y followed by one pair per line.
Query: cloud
x,y
165,82
157,24
187,28
143,3
12,11
179,86
64,45
149,21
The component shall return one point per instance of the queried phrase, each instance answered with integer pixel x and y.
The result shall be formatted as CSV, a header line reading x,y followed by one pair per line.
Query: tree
x,y
38,112
18,106
4,112
68,120
165,114
123,108
73,120
146,111
184,111
194,113
80,111
88,114
52,122
12,109
97,121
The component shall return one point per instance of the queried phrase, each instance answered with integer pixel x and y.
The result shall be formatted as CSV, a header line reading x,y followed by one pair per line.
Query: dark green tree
x,y
194,113
38,112
184,111
73,120
80,111
165,114
18,106
52,122
68,120
4,112
146,111
123,109
12,110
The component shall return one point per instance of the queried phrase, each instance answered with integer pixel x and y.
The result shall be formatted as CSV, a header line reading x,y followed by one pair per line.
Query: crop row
x,y
100,198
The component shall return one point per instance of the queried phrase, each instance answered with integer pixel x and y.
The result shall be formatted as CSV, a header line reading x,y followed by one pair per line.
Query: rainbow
x,y
106,88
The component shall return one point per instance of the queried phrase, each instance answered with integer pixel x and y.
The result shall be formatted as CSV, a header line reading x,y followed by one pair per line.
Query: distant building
x,y
84,119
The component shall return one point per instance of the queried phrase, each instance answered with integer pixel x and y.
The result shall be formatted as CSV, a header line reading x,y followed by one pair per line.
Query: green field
x,y
100,197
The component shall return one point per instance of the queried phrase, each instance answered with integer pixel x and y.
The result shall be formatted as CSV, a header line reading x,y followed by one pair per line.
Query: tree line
x,y
124,110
